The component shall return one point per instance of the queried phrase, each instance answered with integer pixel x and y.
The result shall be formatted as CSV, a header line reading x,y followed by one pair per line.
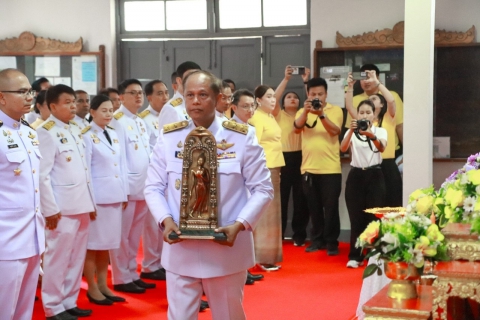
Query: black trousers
x,y
393,183
322,192
364,189
291,180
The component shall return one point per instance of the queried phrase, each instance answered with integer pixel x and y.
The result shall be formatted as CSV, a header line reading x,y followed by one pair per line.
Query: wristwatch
x,y
322,116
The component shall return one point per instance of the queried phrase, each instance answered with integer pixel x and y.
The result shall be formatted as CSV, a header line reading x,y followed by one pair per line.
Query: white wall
x,y
93,20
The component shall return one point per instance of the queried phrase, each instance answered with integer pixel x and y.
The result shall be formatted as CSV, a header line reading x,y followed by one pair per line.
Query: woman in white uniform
x,y
110,185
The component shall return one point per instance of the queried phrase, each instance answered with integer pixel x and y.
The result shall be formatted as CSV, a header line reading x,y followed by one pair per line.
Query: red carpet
x,y
309,286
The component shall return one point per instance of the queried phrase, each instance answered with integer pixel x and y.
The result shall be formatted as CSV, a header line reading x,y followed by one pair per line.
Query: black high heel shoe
x,y
104,302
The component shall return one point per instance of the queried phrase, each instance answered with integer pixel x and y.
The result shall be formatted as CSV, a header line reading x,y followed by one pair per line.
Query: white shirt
x,y
82,123
150,117
362,155
173,111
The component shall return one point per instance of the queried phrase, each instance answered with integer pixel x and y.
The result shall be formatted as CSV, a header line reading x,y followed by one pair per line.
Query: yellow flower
x,y
424,204
454,197
474,176
416,194
434,234
477,205
423,244
448,212
371,232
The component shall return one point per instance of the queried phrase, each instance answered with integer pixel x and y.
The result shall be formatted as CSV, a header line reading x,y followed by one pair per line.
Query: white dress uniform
x,y
64,187
196,265
81,123
152,236
173,111
22,238
32,116
221,115
134,141
110,186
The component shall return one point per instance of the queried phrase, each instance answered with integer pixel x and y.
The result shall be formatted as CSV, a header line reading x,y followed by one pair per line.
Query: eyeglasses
x,y
228,98
248,107
23,92
135,93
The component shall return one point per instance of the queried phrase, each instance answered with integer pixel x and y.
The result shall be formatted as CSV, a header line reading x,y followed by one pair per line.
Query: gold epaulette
x,y
144,113
49,125
248,122
118,115
73,122
110,127
85,130
176,102
25,123
174,126
235,126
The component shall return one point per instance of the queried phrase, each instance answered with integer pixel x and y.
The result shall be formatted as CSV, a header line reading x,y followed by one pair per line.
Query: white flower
x,y
469,203
391,215
464,179
391,239
410,209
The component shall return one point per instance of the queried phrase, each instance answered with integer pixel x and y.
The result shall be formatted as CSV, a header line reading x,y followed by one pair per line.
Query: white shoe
x,y
354,264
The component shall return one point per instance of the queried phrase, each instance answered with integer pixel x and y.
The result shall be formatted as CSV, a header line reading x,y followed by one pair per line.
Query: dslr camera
x,y
316,104
362,125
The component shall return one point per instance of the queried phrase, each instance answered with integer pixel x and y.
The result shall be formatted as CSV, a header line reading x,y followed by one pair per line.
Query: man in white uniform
x,y
174,110
83,108
67,203
152,237
224,103
134,140
194,266
22,238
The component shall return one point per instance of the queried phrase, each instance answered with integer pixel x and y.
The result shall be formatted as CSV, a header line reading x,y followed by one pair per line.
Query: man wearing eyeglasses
x,y
243,104
174,110
152,237
22,238
224,103
134,141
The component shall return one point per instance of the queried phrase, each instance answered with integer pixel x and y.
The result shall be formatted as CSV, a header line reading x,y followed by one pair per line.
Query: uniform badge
x,y
226,155
94,138
64,140
69,158
115,141
143,129
17,171
179,154
155,124
180,144
136,146
31,135
12,146
35,143
224,145
177,184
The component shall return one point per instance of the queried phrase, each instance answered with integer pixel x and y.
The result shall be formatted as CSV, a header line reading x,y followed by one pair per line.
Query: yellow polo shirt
x,y
320,150
269,136
388,123
290,140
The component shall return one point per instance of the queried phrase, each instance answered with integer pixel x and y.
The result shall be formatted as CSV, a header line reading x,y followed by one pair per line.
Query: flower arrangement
x,y
400,237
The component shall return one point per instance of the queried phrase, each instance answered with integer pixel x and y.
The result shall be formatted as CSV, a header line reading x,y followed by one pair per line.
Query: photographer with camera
x,y
365,186
319,124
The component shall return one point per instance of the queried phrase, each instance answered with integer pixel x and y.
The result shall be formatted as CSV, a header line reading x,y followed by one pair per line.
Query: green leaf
x,y
369,270
371,254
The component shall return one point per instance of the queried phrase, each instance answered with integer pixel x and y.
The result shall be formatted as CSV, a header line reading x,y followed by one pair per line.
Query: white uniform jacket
x,y
150,117
246,169
21,223
107,163
81,123
64,174
132,133
173,111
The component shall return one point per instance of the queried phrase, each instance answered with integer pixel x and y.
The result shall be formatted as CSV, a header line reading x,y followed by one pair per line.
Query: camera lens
x,y
316,104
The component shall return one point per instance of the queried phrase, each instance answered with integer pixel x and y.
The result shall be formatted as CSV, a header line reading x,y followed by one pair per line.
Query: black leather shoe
x,y
156,275
254,277
315,247
128,287
332,251
77,312
249,281
203,305
114,298
104,302
62,316
143,284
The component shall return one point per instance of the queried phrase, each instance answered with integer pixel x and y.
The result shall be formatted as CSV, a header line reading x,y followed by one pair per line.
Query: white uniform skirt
x,y
105,231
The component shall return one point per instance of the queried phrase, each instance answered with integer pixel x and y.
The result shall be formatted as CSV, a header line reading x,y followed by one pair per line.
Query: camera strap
x,y
313,125
367,139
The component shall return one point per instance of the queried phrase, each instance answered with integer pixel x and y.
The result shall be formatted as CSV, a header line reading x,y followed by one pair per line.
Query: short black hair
x,y
173,77
383,110
40,99
317,82
282,104
80,92
370,66
107,91
54,92
215,83
36,85
185,66
237,95
125,83
149,86
97,101
225,84
231,82
261,90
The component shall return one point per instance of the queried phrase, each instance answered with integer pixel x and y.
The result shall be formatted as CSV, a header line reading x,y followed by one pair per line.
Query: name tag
x,y
179,154
11,146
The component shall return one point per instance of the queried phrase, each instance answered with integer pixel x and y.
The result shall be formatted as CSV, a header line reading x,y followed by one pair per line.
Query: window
x,y
278,13
144,15
240,14
187,15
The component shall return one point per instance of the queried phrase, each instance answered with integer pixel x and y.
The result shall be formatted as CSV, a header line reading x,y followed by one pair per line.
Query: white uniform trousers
x,y
224,295
124,259
152,242
63,263
18,283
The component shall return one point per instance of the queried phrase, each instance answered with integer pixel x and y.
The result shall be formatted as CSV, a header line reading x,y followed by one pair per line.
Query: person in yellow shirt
x,y
319,124
291,178
41,105
268,233
392,122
